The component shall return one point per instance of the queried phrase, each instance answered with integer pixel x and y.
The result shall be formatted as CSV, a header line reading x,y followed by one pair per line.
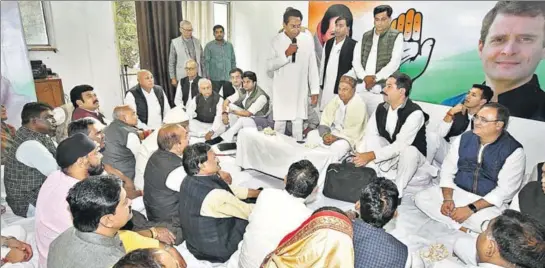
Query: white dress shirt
x,y
133,143
149,146
34,154
155,120
509,178
328,80
275,214
404,138
258,104
175,178
217,125
444,127
178,97
370,65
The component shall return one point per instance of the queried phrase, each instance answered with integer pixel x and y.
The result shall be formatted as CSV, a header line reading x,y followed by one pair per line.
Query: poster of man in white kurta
x,y
293,62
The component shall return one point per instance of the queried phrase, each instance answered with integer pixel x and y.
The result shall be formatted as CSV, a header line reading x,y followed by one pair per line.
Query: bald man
x,y
183,48
205,112
122,141
163,177
188,86
148,100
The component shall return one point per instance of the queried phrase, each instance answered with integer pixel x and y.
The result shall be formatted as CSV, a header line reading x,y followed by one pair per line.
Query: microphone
x,y
293,41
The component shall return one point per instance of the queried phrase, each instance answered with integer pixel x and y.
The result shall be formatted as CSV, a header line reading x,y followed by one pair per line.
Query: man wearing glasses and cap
x,y
480,175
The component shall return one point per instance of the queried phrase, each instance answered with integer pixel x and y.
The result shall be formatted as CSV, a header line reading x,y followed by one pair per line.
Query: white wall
x,y
84,35
253,25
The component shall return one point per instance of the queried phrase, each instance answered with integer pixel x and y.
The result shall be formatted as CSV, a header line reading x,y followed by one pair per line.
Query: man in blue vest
x,y
458,118
480,175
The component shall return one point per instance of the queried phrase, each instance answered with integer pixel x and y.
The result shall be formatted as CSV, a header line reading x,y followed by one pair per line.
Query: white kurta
x,y
292,80
330,77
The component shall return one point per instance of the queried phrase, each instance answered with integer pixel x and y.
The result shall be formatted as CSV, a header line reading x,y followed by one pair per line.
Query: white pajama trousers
x,y
400,169
430,200
199,129
341,147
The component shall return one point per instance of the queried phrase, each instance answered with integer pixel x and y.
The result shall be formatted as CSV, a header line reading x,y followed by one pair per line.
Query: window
x,y
221,16
34,15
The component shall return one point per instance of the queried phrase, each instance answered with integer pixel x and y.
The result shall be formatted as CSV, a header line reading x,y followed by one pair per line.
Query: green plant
x,y
127,36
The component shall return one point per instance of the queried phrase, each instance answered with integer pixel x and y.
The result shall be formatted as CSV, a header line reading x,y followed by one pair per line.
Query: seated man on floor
x,y
86,104
235,85
204,111
176,115
122,144
240,108
459,118
164,166
212,215
30,159
343,120
513,239
532,201
93,129
148,100
277,213
78,157
188,86
480,175
99,208
373,247
394,143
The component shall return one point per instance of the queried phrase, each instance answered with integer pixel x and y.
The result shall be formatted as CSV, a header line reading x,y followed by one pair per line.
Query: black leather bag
x,y
344,181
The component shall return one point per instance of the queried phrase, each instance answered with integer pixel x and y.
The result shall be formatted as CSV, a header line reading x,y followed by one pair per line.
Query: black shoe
x,y
214,141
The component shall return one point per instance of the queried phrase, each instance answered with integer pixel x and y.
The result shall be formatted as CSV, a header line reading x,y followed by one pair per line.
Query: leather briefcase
x,y
344,181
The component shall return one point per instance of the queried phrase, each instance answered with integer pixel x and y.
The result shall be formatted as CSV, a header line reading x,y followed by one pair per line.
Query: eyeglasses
x,y
484,225
483,120
187,30
190,68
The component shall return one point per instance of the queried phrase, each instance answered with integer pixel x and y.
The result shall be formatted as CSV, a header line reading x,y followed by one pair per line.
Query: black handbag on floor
x,y
344,181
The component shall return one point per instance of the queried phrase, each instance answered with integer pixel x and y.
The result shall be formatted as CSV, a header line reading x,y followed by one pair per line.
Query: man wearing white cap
x,y
343,120
175,116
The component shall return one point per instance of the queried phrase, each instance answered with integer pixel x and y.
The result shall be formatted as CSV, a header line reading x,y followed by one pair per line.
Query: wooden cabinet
x,y
50,91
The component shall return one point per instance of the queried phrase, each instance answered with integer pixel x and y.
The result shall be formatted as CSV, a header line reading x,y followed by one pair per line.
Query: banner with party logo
x,y
441,40
17,83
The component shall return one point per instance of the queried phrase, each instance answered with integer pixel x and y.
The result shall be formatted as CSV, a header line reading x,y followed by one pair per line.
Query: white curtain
x,y
201,16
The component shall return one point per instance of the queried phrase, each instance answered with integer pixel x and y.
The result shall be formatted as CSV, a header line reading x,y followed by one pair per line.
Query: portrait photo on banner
x,y
448,47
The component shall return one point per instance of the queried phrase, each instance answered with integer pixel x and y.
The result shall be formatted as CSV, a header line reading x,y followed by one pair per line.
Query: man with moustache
x,y
31,158
459,118
379,53
511,46
78,157
480,175
337,60
85,103
219,58
394,143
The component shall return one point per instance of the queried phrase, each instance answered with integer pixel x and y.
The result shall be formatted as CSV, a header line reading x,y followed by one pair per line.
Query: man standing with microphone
x,y
293,62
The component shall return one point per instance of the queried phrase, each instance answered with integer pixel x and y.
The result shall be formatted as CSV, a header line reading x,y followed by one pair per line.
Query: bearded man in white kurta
x,y
293,62
343,120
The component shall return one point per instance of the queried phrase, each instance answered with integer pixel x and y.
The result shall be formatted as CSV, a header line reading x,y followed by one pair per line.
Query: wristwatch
x,y
473,208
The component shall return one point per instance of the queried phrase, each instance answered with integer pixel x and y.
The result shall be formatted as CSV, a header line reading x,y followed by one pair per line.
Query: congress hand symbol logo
x,y
416,54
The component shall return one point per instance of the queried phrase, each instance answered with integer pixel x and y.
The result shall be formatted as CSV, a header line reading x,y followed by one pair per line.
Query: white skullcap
x,y
176,115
